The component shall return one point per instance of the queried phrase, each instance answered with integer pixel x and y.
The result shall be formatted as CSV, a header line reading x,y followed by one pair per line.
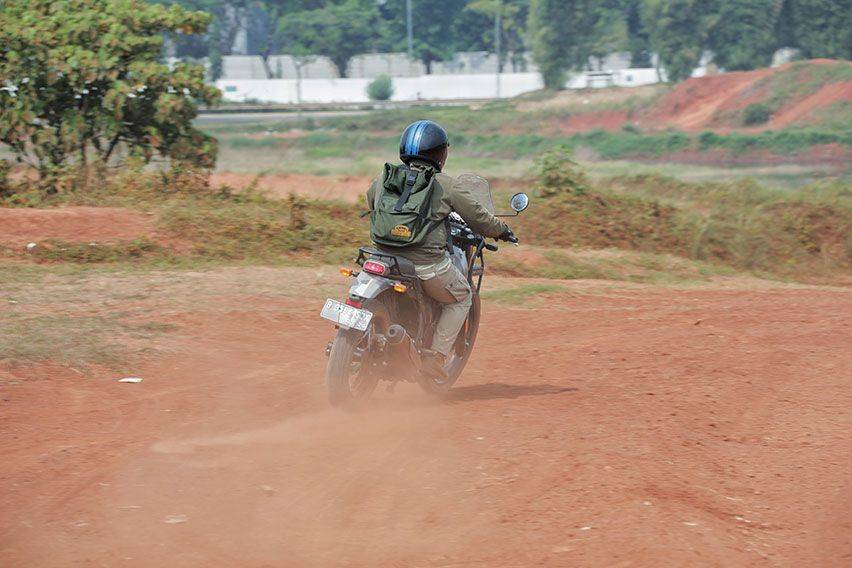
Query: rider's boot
x,y
433,364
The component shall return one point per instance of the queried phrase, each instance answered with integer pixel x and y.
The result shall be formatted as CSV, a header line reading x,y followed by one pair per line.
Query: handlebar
x,y
461,232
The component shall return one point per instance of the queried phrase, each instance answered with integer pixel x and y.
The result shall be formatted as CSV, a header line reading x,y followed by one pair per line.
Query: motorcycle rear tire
x,y
339,369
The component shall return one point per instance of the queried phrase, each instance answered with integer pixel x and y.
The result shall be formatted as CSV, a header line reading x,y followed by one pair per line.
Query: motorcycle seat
x,y
404,266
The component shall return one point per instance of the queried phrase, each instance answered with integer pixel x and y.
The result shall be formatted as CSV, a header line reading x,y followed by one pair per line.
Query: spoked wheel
x,y
350,374
460,354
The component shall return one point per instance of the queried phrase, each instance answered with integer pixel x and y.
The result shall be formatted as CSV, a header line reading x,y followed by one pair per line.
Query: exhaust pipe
x,y
396,334
402,343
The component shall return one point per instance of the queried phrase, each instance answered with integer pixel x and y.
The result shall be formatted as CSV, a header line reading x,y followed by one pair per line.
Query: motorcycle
x,y
387,320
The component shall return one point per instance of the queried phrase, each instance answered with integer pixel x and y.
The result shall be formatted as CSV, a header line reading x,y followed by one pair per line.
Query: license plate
x,y
347,317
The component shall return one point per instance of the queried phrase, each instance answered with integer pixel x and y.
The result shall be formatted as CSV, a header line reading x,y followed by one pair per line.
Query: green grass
x,y
313,150
54,250
75,340
783,177
738,224
504,136
610,264
521,294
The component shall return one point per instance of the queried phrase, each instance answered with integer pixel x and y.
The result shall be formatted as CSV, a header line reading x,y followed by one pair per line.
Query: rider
x,y
424,146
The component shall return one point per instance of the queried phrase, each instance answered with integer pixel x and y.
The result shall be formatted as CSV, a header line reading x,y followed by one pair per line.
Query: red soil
x,y
711,102
693,104
803,109
73,224
610,120
625,426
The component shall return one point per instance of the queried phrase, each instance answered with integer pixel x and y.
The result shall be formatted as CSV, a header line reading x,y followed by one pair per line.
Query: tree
x,y
513,16
339,31
605,29
565,33
440,30
678,32
638,39
228,18
265,37
83,77
823,28
743,36
549,25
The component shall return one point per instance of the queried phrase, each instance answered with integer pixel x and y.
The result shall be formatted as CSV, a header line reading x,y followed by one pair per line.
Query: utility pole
x,y
409,24
498,33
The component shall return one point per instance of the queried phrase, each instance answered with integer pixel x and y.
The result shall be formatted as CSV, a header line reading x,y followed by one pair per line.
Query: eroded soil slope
x,y
799,94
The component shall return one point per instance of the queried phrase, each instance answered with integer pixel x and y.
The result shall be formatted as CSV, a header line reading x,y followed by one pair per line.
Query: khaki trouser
x,y
444,283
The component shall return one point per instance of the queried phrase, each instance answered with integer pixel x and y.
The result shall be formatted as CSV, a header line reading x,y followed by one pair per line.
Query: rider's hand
x,y
508,236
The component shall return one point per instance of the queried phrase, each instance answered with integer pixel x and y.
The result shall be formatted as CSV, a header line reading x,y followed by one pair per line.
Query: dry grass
x,y
592,99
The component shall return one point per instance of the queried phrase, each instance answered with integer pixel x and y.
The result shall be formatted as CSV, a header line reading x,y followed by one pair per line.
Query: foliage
x,y
756,113
736,224
381,88
513,19
5,187
638,39
678,32
440,30
730,225
822,28
338,30
546,21
227,18
564,34
83,77
558,173
743,35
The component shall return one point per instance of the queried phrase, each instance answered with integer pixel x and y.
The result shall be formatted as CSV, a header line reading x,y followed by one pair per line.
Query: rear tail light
x,y
354,303
373,267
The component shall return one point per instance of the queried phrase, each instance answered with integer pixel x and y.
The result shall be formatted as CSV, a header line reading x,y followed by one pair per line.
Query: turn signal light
x,y
346,271
400,287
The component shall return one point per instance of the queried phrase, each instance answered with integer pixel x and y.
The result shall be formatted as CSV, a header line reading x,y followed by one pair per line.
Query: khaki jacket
x,y
450,194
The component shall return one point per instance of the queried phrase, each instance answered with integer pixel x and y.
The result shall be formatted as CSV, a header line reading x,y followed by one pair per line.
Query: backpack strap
x,y
410,179
379,191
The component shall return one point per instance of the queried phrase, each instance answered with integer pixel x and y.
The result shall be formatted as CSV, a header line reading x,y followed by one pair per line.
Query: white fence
x,y
432,87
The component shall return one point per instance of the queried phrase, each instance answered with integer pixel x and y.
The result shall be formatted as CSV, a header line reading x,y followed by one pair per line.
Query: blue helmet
x,y
424,140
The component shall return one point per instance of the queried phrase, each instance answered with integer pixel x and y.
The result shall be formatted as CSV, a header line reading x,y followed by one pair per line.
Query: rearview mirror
x,y
519,202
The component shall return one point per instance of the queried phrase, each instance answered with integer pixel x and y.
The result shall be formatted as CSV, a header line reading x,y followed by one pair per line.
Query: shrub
x,y
558,174
381,89
84,79
5,168
756,113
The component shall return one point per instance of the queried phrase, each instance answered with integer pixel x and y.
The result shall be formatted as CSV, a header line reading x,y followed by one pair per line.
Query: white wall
x,y
439,87
355,90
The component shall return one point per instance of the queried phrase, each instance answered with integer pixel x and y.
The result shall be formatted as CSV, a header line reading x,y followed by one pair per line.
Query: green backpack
x,y
402,207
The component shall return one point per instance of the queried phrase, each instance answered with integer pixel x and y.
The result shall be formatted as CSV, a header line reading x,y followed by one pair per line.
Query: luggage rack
x,y
399,266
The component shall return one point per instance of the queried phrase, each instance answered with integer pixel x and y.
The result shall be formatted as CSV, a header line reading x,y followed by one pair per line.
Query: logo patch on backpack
x,y
401,231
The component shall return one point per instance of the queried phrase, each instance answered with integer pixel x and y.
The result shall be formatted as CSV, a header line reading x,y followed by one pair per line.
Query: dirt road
x,y
611,426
